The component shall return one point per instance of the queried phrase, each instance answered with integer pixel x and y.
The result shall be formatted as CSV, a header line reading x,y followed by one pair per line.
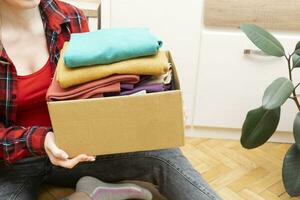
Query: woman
x,y
33,32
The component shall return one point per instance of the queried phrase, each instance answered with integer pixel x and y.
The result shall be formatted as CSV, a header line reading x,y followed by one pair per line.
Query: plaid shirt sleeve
x,y
17,142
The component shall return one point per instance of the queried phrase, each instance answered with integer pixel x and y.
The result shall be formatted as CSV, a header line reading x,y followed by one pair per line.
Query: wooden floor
x,y
236,173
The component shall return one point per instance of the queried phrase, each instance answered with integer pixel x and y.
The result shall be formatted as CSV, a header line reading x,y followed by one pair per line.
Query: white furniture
x,y
231,83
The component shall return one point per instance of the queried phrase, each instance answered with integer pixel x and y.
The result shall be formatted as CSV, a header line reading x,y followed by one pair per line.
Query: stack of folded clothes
x,y
110,62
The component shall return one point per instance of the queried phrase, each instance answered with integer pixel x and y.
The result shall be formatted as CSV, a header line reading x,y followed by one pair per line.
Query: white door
x,y
231,83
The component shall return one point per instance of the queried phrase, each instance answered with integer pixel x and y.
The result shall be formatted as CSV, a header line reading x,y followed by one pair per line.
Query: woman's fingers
x,y
70,163
74,161
51,146
58,153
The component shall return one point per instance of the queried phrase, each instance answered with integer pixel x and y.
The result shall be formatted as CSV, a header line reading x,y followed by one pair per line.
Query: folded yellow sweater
x,y
149,65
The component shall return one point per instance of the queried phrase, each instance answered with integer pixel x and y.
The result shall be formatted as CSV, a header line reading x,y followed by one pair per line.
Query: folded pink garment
x,y
90,89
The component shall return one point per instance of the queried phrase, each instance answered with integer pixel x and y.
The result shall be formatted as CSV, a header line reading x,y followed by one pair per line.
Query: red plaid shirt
x,y
16,142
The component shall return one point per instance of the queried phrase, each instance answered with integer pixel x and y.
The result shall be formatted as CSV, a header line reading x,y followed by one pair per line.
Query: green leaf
x,y
259,126
291,171
297,46
296,60
297,51
296,130
263,40
277,93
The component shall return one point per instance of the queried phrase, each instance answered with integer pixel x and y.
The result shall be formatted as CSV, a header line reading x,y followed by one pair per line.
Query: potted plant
x,y
261,123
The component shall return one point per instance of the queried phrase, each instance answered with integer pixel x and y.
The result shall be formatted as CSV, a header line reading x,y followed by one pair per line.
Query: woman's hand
x,y
59,157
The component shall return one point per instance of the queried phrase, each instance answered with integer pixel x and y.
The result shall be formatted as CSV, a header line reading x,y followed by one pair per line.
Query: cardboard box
x,y
119,124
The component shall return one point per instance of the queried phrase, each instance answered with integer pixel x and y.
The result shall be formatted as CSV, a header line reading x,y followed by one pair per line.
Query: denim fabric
x,y
168,169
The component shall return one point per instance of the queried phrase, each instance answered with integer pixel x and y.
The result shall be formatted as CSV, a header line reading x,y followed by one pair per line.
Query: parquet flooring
x,y
239,174
235,173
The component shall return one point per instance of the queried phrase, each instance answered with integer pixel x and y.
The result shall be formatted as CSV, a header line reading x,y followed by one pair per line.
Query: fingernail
x,y
93,159
65,156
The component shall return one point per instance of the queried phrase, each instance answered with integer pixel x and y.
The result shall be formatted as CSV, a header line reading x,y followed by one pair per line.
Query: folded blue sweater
x,y
110,45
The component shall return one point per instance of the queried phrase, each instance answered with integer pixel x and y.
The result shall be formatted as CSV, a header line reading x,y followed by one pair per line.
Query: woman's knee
x,y
166,162
171,158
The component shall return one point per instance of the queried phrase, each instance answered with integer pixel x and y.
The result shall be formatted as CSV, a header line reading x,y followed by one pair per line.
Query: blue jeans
x,y
168,169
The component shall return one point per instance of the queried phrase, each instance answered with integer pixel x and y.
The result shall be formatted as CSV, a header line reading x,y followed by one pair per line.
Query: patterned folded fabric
x,y
147,65
107,46
91,89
